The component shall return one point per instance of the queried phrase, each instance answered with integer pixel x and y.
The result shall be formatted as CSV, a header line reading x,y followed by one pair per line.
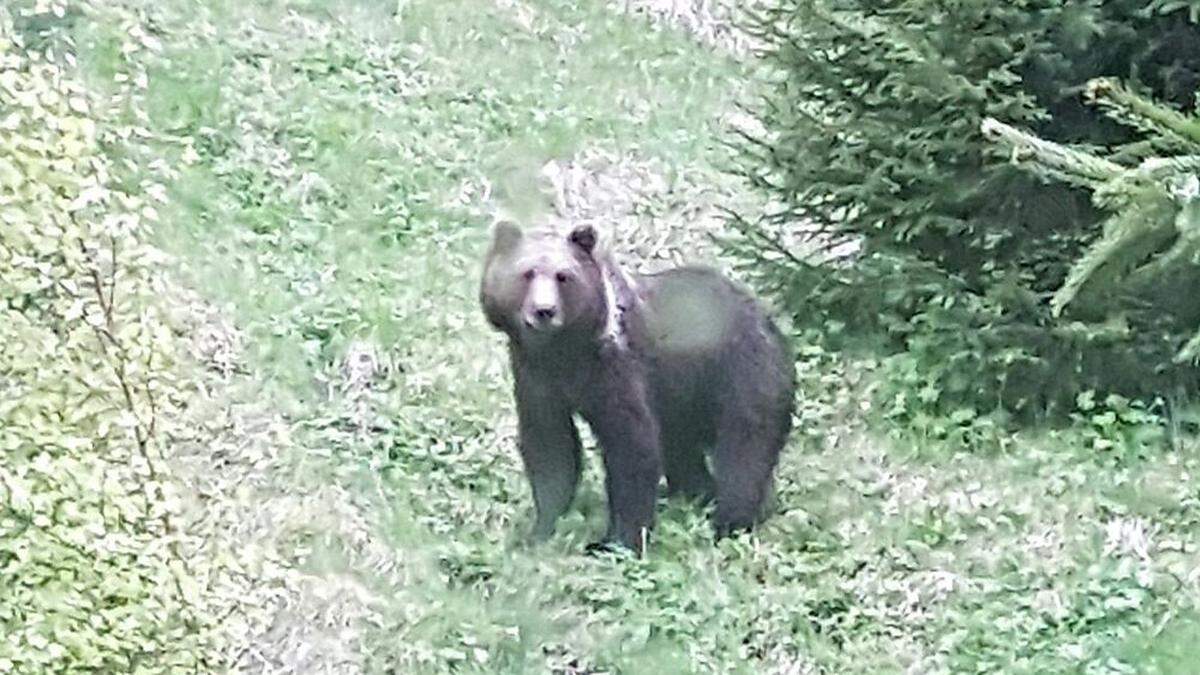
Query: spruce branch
x,y
1126,235
1126,107
1190,352
1051,159
1160,168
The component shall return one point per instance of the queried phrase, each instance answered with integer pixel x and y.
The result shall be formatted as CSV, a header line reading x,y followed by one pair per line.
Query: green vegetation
x,y
338,488
1147,255
96,571
872,135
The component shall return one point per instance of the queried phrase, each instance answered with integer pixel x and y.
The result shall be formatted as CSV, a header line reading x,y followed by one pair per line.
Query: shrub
x,y
93,569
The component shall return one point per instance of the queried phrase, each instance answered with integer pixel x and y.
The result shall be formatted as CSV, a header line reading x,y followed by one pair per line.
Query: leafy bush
x,y
94,569
872,136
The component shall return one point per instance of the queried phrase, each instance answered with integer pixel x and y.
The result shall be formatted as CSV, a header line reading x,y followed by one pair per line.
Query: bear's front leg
x,y
627,430
550,450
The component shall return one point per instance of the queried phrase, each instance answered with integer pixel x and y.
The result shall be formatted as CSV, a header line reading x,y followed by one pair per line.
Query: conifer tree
x,y
1150,242
978,269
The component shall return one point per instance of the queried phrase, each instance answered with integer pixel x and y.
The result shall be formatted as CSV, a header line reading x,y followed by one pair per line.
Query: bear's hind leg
x,y
685,467
747,450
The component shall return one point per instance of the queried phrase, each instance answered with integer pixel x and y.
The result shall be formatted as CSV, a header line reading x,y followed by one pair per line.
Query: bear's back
x,y
693,311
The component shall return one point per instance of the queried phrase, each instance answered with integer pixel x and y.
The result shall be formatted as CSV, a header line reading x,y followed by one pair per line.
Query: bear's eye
x,y
528,275
562,277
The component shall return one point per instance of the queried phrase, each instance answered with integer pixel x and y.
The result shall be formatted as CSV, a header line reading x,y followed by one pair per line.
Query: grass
x,y
332,159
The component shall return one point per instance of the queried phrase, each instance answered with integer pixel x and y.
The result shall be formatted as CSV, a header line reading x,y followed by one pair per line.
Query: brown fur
x,y
662,367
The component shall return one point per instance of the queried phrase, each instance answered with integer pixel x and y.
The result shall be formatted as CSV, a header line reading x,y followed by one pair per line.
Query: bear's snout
x,y
543,317
542,310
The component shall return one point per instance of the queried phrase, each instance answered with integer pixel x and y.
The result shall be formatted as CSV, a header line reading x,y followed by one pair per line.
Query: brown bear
x,y
665,368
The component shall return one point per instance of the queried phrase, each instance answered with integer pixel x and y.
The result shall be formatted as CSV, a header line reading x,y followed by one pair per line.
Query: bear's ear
x,y
505,237
584,237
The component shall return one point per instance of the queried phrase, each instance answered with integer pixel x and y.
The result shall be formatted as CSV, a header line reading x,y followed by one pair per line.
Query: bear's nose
x,y
544,314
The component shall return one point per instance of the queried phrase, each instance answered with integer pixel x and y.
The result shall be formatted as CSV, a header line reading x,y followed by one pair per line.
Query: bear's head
x,y
542,286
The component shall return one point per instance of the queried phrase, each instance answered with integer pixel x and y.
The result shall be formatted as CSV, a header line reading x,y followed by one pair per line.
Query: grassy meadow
x,y
328,170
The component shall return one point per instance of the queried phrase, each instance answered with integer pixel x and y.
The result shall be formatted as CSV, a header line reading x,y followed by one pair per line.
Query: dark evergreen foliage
x,y
872,134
